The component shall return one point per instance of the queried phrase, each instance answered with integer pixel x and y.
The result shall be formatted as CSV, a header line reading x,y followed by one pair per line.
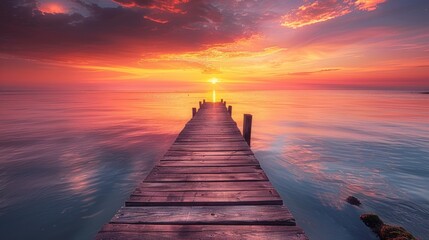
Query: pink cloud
x,y
172,6
317,11
321,11
368,5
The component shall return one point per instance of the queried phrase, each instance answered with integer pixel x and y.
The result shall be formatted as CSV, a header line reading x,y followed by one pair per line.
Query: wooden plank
x,y
249,157
199,177
207,124
211,144
215,194
180,232
244,169
136,201
209,148
208,153
205,198
196,228
207,139
200,163
231,215
211,132
204,186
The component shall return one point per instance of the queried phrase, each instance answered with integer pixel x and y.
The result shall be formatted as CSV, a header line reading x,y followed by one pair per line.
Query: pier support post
x,y
194,111
221,100
204,101
224,103
247,127
200,104
230,110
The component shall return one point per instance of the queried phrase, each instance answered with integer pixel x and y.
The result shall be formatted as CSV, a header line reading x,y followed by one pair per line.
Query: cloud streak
x,y
368,5
321,11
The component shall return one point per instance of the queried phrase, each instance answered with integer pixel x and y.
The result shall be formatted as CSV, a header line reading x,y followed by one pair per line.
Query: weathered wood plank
x,y
198,163
207,139
210,143
208,153
136,201
205,198
215,194
195,228
230,215
204,186
181,232
199,177
205,169
248,157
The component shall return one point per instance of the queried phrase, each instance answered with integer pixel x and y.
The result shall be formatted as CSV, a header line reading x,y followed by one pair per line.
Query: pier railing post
x,y
247,127
200,104
230,110
224,103
204,101
221,100
194,111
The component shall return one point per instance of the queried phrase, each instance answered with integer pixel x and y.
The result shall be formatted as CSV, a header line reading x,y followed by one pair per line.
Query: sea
x,y
69,159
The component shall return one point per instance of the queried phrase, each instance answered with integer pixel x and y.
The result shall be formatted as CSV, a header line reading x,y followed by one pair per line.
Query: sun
x,y
214,80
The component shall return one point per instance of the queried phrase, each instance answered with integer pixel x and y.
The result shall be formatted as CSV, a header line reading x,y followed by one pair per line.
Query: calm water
x,y
68,160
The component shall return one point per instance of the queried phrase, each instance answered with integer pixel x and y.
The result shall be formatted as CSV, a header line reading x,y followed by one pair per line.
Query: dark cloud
x,y
127,31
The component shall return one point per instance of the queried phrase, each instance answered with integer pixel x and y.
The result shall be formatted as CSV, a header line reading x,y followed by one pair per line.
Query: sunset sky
x,y
180,45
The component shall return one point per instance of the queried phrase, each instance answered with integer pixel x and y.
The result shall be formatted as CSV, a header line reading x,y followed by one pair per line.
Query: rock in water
x,y
395,233
372,221
353,201
384,231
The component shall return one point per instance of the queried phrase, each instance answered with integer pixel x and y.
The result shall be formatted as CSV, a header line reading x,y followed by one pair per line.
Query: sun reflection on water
x,y
214,95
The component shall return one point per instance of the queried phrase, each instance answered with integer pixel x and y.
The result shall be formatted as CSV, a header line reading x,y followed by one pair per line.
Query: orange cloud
x,y
52,8
172,6
318,11
321,11
368,5
244,53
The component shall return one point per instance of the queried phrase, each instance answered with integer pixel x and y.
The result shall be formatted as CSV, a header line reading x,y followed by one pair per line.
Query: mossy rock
x,y
384,231
388,232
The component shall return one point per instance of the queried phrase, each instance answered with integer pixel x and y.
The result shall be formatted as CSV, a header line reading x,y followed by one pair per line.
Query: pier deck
x,y
208,185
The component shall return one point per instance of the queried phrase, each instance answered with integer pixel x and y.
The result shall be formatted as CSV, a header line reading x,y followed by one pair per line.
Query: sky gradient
x,y
179,45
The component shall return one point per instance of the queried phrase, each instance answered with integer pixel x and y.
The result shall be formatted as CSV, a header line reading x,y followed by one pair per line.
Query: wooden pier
x,y
208,185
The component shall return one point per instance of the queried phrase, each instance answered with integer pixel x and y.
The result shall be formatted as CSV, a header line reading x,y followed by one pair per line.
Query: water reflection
x,y
327,145
214,95
69,160
72,158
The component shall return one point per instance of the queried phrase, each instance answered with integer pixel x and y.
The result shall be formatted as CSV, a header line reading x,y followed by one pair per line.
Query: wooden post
x,y
224,103
194,111
204,101
230,110
221,100
247,127
200,104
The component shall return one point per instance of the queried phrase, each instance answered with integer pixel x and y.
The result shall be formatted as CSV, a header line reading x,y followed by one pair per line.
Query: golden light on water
x,y
214,95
